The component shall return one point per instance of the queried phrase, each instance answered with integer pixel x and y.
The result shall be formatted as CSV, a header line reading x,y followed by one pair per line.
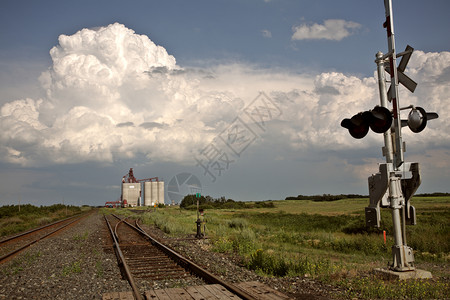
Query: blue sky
x,y
199,30
69,133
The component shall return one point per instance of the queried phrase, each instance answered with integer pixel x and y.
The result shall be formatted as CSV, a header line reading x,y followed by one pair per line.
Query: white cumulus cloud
x,y
332,29
112,94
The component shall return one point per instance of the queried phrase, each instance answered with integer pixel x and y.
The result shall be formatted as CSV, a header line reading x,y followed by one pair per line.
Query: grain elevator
x,y
142,192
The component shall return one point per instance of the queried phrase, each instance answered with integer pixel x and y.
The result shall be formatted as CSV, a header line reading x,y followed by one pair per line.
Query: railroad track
x,y
13,245
141,257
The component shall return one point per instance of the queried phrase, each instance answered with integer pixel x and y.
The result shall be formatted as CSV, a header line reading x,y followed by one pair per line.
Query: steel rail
x,y
4,257
121,259
191,266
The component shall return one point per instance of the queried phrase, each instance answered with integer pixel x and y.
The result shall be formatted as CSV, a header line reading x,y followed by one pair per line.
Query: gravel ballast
x,y
70,265
79,264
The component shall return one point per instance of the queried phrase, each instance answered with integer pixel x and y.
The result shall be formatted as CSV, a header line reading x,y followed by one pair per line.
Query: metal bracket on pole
x,y
378,195
409,188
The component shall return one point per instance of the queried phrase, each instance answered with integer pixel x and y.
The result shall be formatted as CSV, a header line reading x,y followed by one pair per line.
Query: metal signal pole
x,y
389,25
403,259
397,181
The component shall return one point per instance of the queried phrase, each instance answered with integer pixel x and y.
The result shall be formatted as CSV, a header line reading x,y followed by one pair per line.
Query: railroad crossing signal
x,y
378,119
397,181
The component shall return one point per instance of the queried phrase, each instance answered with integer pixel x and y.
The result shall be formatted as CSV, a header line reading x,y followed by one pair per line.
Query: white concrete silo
x,y
154,193
160,192
147,194
131,192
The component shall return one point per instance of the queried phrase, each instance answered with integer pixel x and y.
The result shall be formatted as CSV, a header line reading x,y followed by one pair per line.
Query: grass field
x,y
15,219
327,241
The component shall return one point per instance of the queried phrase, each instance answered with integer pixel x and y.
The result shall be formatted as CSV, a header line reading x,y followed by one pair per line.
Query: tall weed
x,y
241,241
238,223
371,287
277,265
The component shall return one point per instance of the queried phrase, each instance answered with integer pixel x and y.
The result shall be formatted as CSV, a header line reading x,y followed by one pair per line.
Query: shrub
x,y
238,223
240,239
44,220
223,245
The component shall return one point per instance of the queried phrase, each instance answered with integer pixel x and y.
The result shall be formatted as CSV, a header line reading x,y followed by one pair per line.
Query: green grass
x,y
370,287
74,267
81,237
13,220
99,268
344,206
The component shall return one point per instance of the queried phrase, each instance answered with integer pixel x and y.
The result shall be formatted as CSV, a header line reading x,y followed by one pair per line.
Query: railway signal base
x,y
415,274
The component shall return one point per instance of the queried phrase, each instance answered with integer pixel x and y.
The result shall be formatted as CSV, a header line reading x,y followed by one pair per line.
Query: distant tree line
x,y
208,202
28,209
433,195
326,197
